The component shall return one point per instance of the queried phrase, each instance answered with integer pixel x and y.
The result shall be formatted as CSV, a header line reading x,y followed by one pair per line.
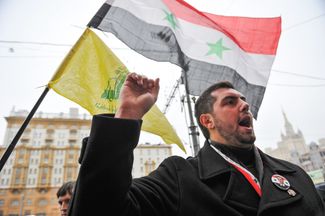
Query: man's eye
x,y
231,101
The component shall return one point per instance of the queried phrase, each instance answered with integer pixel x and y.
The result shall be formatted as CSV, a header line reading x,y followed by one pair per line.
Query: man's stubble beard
x,y
235,138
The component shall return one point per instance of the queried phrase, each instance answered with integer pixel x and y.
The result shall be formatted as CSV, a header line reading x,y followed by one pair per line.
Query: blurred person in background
x,y
64,195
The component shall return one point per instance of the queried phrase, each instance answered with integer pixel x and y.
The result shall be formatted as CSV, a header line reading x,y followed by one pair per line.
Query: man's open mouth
x,y
245,122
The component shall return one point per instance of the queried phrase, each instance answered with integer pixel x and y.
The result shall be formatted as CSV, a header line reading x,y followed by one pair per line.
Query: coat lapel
x,y
272,196
213,169
210,164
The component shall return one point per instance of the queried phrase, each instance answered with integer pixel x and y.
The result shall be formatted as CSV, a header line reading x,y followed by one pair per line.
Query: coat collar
x,y
276,165
211,164
271,195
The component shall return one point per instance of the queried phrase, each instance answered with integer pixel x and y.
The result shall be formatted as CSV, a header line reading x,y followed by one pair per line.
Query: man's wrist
x,y
128,114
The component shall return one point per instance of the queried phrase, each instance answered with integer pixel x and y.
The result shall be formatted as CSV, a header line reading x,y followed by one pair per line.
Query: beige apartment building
x,y
47,156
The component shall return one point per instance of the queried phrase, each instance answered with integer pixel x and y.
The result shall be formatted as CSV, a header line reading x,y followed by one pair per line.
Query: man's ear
x,y
207,121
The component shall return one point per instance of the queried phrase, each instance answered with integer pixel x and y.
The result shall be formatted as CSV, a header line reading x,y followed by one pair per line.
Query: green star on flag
x,y
171,19
217,48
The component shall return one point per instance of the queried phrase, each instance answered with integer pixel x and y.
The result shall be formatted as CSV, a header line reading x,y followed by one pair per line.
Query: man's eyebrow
x,y
234,97
229,97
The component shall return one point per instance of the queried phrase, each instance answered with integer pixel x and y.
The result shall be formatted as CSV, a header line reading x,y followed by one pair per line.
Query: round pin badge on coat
x,y
280,181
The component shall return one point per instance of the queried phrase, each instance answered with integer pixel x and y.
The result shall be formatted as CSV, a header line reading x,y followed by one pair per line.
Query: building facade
x,y
148,156
47,155
293,148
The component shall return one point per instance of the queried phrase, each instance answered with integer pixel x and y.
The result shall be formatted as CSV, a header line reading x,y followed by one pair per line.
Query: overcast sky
x,y
296,85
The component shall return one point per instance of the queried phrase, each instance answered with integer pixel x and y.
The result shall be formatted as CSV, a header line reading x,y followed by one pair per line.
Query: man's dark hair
x,y
66,188
204,103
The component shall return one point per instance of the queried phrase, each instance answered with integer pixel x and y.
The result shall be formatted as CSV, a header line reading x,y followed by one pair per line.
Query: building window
x,y
14,203
18,171
61,135
22,153
150,166
18,175
2,202
73,131
44,175
35,134
42,202
69,172
29,202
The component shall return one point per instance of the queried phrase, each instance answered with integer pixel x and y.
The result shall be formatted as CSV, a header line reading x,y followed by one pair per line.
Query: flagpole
x,y
13,143
194,134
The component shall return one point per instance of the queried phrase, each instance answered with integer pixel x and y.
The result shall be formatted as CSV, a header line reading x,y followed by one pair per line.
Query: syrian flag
x,y
209,48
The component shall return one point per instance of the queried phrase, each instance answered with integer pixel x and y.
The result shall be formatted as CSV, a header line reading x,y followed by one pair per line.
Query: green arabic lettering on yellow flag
x,y
92,76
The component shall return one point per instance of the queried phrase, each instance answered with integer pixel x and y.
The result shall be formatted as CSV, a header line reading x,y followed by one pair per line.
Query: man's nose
x,y
64,206
244,106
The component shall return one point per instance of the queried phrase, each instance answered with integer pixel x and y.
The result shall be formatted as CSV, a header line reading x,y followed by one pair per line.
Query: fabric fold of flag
x,y
92,76
208,47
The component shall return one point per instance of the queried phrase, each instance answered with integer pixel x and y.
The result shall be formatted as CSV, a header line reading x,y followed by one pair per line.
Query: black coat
x,y
205,185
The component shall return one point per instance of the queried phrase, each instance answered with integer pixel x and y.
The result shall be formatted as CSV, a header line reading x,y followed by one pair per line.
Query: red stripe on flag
x,y
254,35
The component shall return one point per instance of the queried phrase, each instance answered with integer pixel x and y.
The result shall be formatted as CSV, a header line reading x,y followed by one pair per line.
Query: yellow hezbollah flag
x,y
92,76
